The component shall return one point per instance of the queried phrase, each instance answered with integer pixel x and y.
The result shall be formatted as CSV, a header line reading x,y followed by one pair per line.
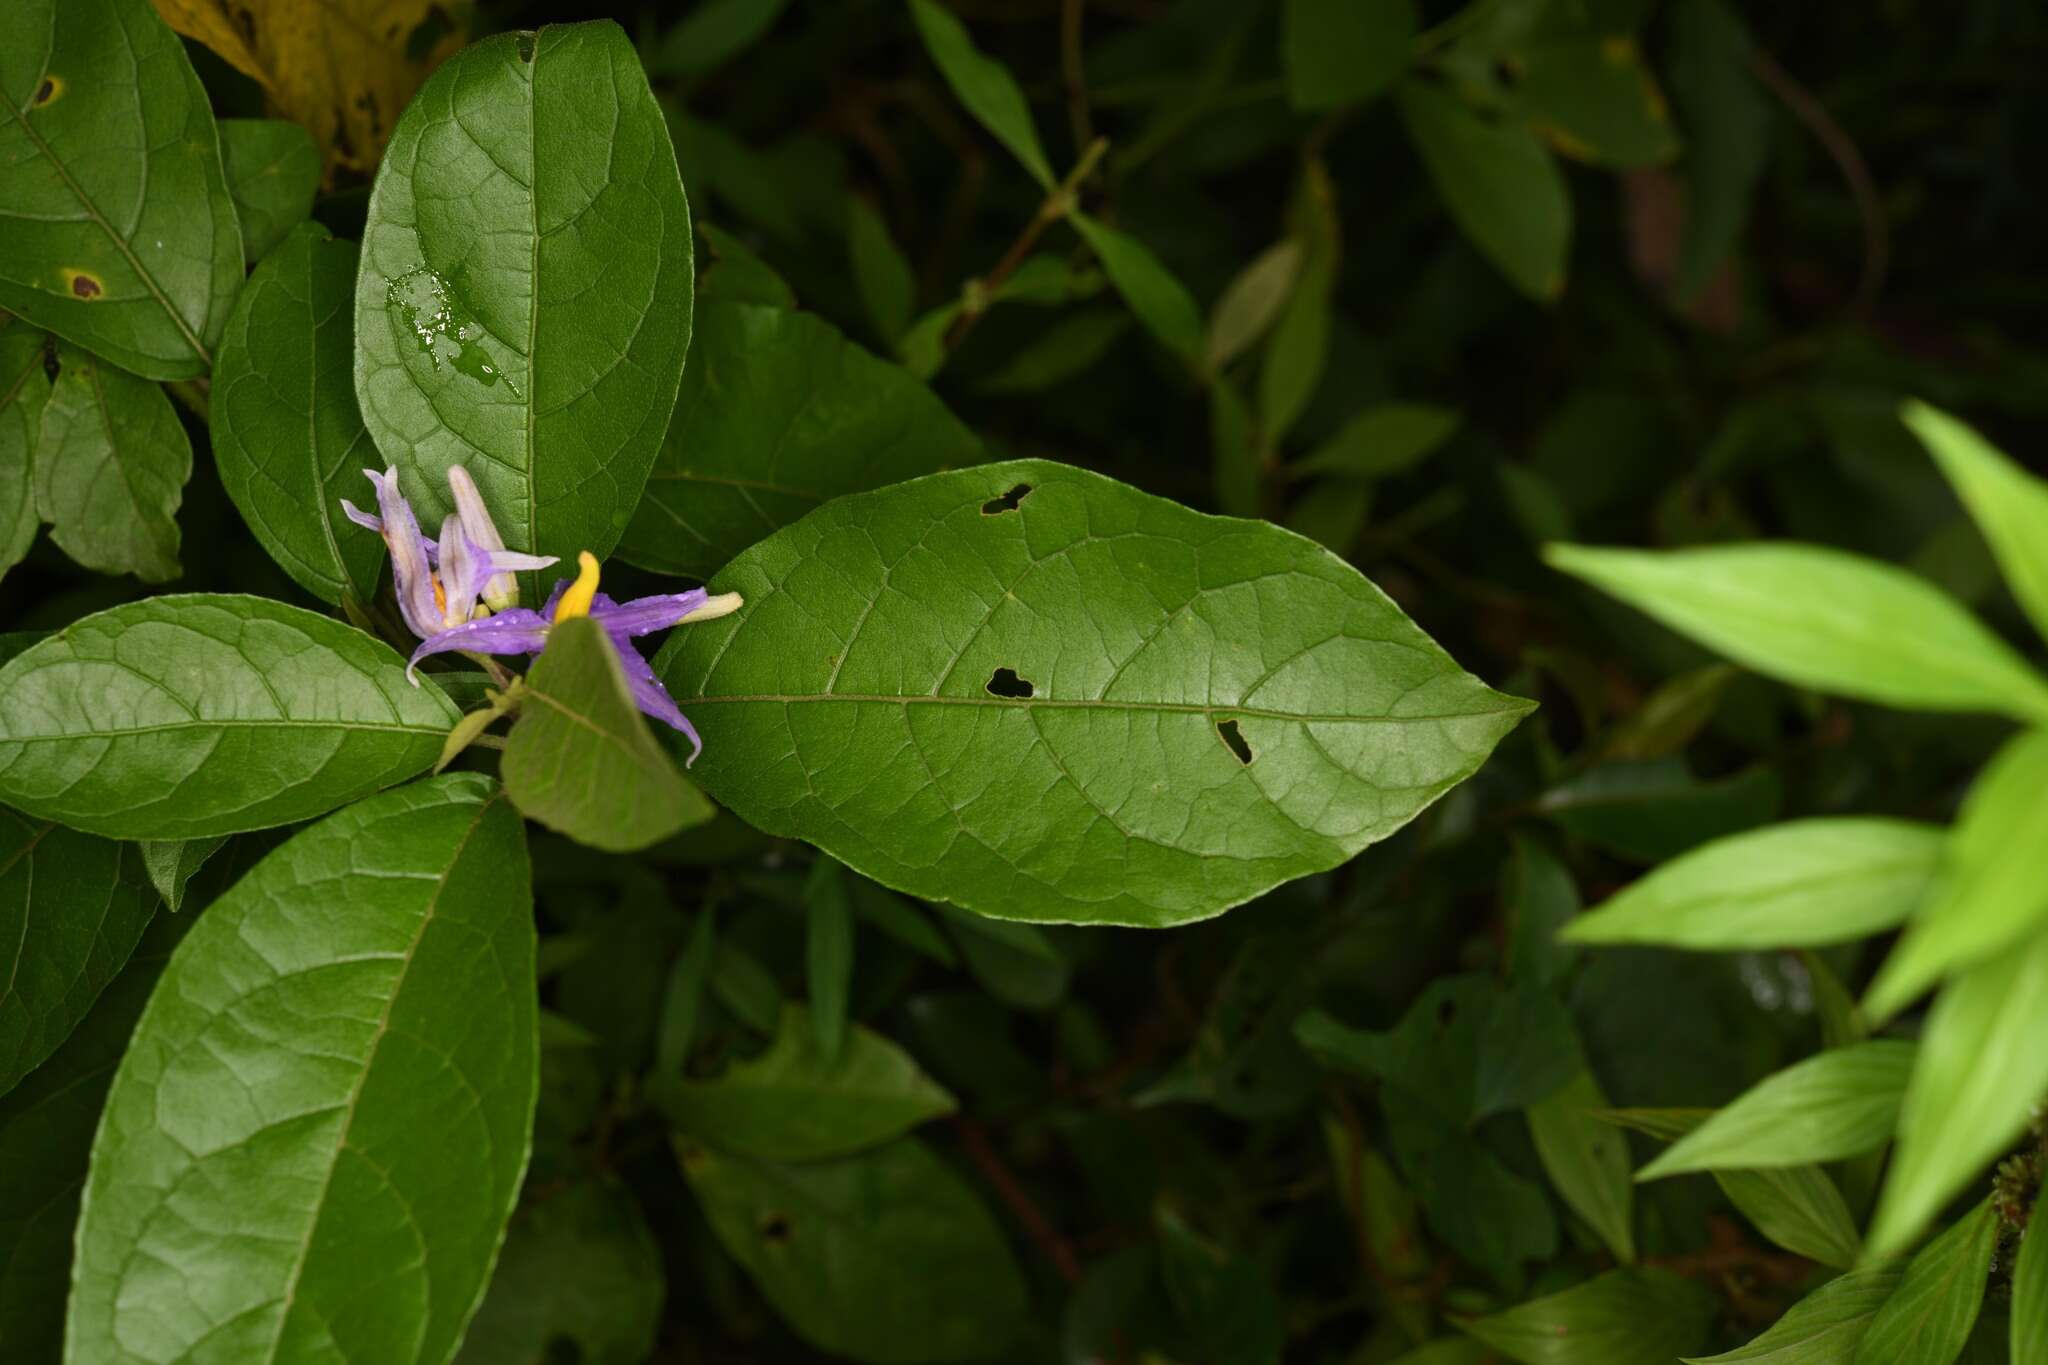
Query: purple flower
x,y
438,583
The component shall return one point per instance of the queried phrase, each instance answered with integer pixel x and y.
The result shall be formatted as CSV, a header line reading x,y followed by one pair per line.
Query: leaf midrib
x,y
129,731
1098,704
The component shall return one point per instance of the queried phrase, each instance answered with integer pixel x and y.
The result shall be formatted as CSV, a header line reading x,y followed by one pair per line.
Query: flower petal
x,y
512,631
645,615
465,568
501,590
652,698
412,576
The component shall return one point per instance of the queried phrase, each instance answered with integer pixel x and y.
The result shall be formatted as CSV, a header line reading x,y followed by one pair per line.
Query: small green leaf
x,y
1980,1071
273,169
1587,1161
581,759
1824,619
1831,879
1597,101
185,716
983,84
828,953
1502,188
884,1256
24,393
1729,118
779,413
1540,897
883,276
1342,51
1296,353
1251,303
1840,1103
111,467
2030,1289
1928,1318
1656,809
2008,504
1990,896
287,437
1015,963
1161,302
1630,1316
171,863
1823,1328
136,256
682,999
712,34
1070,346
1381,442
369,981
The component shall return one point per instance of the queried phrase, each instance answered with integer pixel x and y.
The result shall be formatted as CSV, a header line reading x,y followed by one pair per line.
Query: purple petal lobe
x,y
513,631
411,574
652,698
645,615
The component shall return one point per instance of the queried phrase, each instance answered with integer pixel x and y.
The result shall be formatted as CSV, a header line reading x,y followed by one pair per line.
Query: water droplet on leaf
x,y
445,331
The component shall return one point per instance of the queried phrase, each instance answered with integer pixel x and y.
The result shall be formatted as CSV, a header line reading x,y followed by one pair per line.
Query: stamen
x,y
576,601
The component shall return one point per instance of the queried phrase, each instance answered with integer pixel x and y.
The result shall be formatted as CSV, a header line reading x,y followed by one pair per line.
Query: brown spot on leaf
x,y
775,1229
47,92
83,285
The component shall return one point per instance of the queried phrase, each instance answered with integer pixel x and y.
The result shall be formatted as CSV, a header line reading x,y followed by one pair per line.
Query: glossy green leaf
x,y
524,301
1839,1103
1501,186
779,413
1380,442
370,981
1161,302
983,84
24,393
884,1256
1928,1318
120,233
1057,698
880,272
111,467
1631,1316
273,168
579,1266
1825,1327
1596,100
1251,303
582,760
1587,1161
1980,1071
1821,618
1341,51
185,716
287,438
1990,896
792,1103
2030,1289
2009,505
828,953
170,864
71,909
1831,879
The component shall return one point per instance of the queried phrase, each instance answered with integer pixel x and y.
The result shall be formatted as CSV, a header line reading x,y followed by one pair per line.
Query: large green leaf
x,y
71,909
983,84
1824,619
368,983
1825,1327
184,716
287,437
524,301
2008,504
582,760
792,1104
1501,186
1928,1318
24,393
111,467
1631,1316
1041,694
273,170
1803,883
883,1256
120,233
1339,51
779,413
1840,1103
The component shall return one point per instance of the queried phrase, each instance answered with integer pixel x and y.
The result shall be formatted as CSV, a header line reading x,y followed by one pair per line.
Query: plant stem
x,y
195,394
1058,203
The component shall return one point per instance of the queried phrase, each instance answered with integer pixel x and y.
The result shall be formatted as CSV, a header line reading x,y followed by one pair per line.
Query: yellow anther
x,y
576,601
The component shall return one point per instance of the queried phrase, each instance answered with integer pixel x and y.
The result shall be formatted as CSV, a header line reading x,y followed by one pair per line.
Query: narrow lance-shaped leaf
x,y
1929,1316
2008,504
1040,694
1821,618
1823,1328
24,392
1502,188
524,301
1635,1314
1381,441
111,468
120,233
273,169
287,438
1161,302
983,84
185,716
369,981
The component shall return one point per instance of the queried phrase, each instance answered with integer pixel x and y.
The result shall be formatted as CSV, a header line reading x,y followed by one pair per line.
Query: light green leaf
x,y
2030,1289
580,1266
1341,51
1928,1318
1839,1103
1587,1161
1251,303
1502,188
1990,894
369,981
1631,1316
287,437
120,233
884,279
1824,1327
2008,504
1596,100
273,169
24,393
71,909
713,33
778,414
1161,302
110,469
1980,1071
1821,618
1212,707
185,716
1381,442
531,324
792,1103
1831,879
582,760
983,84
828,953
171,863
884,1256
